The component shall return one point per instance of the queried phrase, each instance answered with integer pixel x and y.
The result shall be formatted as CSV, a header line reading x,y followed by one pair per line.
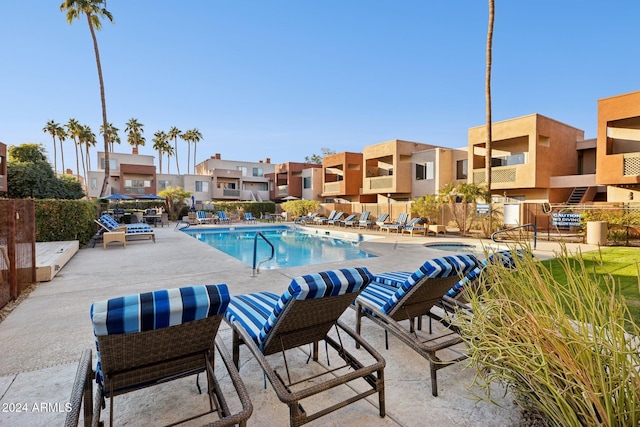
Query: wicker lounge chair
x,y
336,219
154,337
348,221
364,221
413,226
223,218
248,217
108,224
201,217
381,220
305,314
397,301
397,226
321,220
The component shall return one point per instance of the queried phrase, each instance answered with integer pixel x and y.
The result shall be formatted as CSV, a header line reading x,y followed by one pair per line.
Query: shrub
x,y
569,351
300,207
63,220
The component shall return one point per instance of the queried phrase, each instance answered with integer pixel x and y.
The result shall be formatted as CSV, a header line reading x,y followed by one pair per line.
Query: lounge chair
x,y
413,226
381,220
155,337
322,220
202,218
223,218
108,224
304,314
348,221
306,218
400,222
336,218
398,305
364,221
248,217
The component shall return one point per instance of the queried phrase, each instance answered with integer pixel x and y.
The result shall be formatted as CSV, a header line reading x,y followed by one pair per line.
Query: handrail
x,y
183,222
535,233
255,252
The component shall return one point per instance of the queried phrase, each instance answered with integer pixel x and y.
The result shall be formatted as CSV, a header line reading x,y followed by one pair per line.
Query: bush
x,y
254,208
561,347
63,220
300,207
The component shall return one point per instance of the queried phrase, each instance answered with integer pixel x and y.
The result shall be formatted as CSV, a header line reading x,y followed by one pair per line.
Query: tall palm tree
x,y
160,143
174,133
90,141
73,130
186,137
94,11
54,129
169,152
135,130
488,150
62,136
195,137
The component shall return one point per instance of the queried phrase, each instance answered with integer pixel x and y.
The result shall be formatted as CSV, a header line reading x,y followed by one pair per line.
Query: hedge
x,y
63,220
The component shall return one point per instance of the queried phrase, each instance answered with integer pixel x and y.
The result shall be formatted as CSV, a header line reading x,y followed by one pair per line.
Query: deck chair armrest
x,y
381,317
247,408
82,391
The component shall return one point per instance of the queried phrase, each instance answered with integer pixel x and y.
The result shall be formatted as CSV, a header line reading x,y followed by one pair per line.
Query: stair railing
x,y
256,270
505,230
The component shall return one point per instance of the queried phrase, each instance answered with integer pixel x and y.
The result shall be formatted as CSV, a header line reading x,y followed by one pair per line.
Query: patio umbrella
x,y
117,196
149,197
290,198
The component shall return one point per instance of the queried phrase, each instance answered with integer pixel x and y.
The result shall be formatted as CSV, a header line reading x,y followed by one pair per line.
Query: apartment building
x,y
437,167
618,147
3,167
233,179
342,177
131,174
287,179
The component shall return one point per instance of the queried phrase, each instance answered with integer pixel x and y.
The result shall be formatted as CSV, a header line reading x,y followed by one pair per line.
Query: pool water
x,y
462,248
293,247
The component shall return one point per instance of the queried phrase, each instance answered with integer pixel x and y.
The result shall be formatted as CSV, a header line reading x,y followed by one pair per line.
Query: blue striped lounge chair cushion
x,y
259,312
439,267
505,257
392,278
109,222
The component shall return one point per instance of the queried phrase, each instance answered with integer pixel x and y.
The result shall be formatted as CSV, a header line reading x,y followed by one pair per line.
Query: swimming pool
x,y
294,247
462,247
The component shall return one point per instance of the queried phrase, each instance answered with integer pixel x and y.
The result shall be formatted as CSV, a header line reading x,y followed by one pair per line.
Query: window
x,y
513,159
461,169
227,185
202,186
136,186
94,183
258,172
163,184
431,169
421,172
306,182
113,164
243,169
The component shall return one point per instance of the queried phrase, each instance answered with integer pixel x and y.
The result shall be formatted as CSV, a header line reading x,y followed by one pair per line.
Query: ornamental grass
x,y
569,351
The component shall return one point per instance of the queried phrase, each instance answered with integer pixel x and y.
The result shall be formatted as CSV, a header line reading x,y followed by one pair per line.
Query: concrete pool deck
x,y
43,337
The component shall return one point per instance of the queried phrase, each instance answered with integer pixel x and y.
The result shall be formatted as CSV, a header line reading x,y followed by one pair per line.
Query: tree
x,y
174,133
186,137
427,207
317,159
169,151
160,144
30,175
195,137
73,130
112,135
174,199
135,130
54,129
488,147
94,10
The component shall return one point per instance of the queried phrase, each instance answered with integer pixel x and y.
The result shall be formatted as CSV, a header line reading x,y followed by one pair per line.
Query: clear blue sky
x,y
285,78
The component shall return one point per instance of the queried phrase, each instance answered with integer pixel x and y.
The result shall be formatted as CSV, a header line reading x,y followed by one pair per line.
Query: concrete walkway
x,y
44,336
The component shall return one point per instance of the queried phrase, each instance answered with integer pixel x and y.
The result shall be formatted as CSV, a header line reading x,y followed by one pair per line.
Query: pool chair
x,y
109,225
381,220
348,221
336,219
306,313
306,218
397,301
201,217
248,217
322,220
223,218
364,221
413,226
397,226
154,337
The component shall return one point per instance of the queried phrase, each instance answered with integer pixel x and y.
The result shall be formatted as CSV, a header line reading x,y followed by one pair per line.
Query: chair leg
x,y
236,349
434,379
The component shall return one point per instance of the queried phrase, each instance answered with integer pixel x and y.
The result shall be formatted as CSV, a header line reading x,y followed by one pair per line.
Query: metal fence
x,y
17,248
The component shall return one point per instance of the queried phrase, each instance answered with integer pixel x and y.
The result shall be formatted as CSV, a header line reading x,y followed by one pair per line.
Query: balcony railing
x,y
380,183
498,175
631,164
227,192
283,190
332,187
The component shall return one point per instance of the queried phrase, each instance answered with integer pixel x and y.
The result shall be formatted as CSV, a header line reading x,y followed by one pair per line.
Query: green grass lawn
x,y
622,263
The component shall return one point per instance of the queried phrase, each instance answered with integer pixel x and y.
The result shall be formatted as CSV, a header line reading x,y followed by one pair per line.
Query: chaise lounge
x,y
109,225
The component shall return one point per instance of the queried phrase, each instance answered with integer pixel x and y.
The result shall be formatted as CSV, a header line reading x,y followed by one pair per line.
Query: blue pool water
x,y
293,247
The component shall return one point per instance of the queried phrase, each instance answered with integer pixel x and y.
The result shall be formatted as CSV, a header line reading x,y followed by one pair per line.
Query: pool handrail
x,y
535,233
255,252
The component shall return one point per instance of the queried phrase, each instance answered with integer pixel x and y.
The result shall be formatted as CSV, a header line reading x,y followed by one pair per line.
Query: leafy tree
x,y
317,159
30,175
94,10
174,199
427,207
300,207
174,133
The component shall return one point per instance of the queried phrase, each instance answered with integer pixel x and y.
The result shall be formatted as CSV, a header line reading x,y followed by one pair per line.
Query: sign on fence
x,y
560,219
483,209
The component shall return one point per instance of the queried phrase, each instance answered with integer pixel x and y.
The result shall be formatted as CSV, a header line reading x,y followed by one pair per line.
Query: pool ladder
x,y
506,230
255,253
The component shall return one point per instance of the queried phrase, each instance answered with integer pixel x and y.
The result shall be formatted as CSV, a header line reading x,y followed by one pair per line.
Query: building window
x,y
136,186
227,185
306,182
461,169
202,186
425,171
113,164
513,159
243,169
258,172
94,183
163,185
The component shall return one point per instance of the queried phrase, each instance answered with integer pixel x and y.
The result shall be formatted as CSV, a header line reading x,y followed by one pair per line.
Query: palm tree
x,y
186,137
62,136
94,10
174,133
73,130
160,143
90,141
169,152
54,129
488,147
135,130
113,135
196,137
85,136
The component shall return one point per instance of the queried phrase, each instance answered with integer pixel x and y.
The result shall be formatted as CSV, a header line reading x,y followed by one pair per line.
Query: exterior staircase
x,y
576,195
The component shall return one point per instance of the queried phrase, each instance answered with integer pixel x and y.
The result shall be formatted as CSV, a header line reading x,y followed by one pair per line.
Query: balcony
x,y
379,184
226,193
631,164
502,174
332,187
282,190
